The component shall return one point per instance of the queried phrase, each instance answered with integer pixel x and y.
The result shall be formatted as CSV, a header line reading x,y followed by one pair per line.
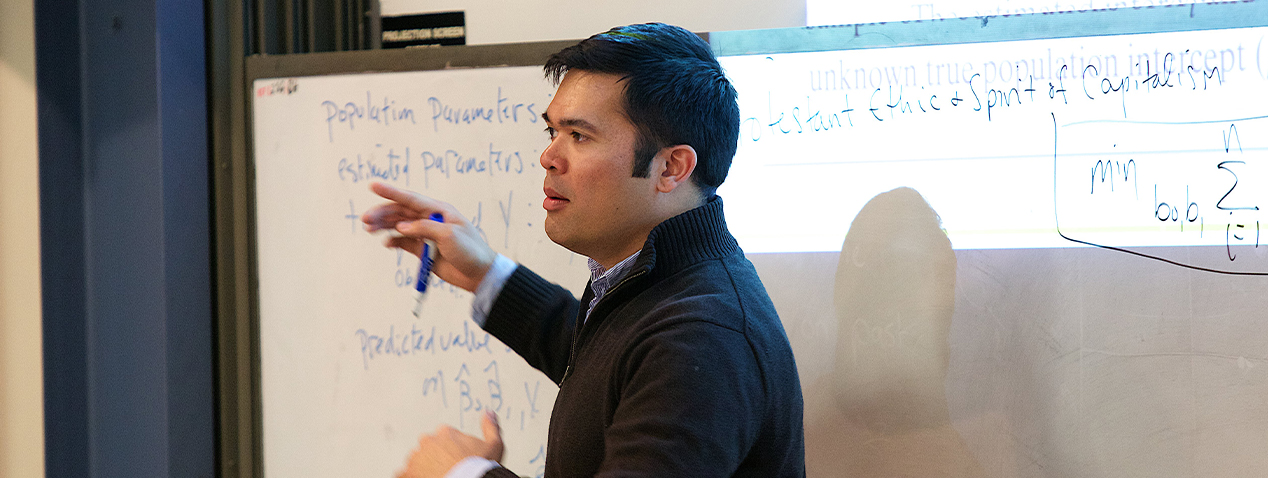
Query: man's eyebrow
x,y
571,122
577,123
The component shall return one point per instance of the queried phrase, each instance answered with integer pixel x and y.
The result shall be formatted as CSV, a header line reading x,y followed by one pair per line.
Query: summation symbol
x,y
1242,226
1235,231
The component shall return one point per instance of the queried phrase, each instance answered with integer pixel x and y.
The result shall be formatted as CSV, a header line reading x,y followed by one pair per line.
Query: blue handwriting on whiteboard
x,y
999,90
436,384
417,342
449,162
363,169
471,397
504,110
352,112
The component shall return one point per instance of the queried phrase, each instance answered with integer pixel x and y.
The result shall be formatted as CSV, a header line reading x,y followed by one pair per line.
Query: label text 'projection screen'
x,y
1017,258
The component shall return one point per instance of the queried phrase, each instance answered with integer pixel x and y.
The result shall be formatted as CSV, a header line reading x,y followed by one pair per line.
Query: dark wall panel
x,y
125,238
58,74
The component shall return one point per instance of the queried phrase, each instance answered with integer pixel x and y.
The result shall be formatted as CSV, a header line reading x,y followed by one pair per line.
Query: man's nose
x,y
551,160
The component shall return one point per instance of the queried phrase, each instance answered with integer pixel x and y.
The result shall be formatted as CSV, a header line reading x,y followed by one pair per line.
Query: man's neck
x,y
610,259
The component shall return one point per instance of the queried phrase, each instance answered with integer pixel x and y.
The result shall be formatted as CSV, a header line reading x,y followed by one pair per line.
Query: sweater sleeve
x,y
692,403
536,319
499,472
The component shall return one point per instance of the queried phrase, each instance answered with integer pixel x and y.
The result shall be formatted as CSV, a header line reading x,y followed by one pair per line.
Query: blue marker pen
x,y
424,267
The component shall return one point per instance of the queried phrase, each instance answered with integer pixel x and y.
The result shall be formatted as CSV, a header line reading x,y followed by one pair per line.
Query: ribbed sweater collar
x,y
688,238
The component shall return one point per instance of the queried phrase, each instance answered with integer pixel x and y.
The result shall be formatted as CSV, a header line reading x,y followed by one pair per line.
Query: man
x,y
673,363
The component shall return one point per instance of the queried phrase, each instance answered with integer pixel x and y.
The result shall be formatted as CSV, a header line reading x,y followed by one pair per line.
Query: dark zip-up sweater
x,y
682,369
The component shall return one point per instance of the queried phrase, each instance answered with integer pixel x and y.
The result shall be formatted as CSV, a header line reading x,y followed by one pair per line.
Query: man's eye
x,y
552,132
577,136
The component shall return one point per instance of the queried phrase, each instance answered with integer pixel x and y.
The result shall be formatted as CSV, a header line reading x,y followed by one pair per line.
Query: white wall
x,y
21,374
498,21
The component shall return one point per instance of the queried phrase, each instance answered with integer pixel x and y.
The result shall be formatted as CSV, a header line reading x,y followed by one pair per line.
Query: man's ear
x,y
677,164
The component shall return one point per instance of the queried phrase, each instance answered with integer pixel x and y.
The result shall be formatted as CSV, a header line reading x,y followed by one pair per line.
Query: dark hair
x,y
675,93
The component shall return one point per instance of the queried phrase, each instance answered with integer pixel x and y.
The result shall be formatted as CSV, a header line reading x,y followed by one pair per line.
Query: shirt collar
x,y
602,279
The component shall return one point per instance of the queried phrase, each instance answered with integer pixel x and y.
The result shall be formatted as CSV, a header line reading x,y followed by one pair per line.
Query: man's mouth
x,y
554,201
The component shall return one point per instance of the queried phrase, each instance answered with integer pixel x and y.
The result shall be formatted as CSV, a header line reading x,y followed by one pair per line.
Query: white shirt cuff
x,y
490,287
472,466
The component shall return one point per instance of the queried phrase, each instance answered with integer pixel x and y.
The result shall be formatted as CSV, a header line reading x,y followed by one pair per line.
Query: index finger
x,y
419,204
412,200
387,216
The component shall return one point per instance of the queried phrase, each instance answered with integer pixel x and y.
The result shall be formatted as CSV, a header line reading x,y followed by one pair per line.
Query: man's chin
x,y
557,236
553,231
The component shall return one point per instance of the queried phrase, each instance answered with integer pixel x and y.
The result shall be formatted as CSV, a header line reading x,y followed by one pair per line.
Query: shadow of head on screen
x,y
894,299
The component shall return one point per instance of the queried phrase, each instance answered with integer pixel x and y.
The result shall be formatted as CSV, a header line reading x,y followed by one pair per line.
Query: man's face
x,y
593,205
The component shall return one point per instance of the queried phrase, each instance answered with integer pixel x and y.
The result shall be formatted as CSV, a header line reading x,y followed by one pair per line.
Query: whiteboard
x,y
1059,317
349,376
1095,305
1108,134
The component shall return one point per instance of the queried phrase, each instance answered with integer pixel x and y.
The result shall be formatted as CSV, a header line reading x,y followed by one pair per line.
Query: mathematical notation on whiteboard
x,y
1133,140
